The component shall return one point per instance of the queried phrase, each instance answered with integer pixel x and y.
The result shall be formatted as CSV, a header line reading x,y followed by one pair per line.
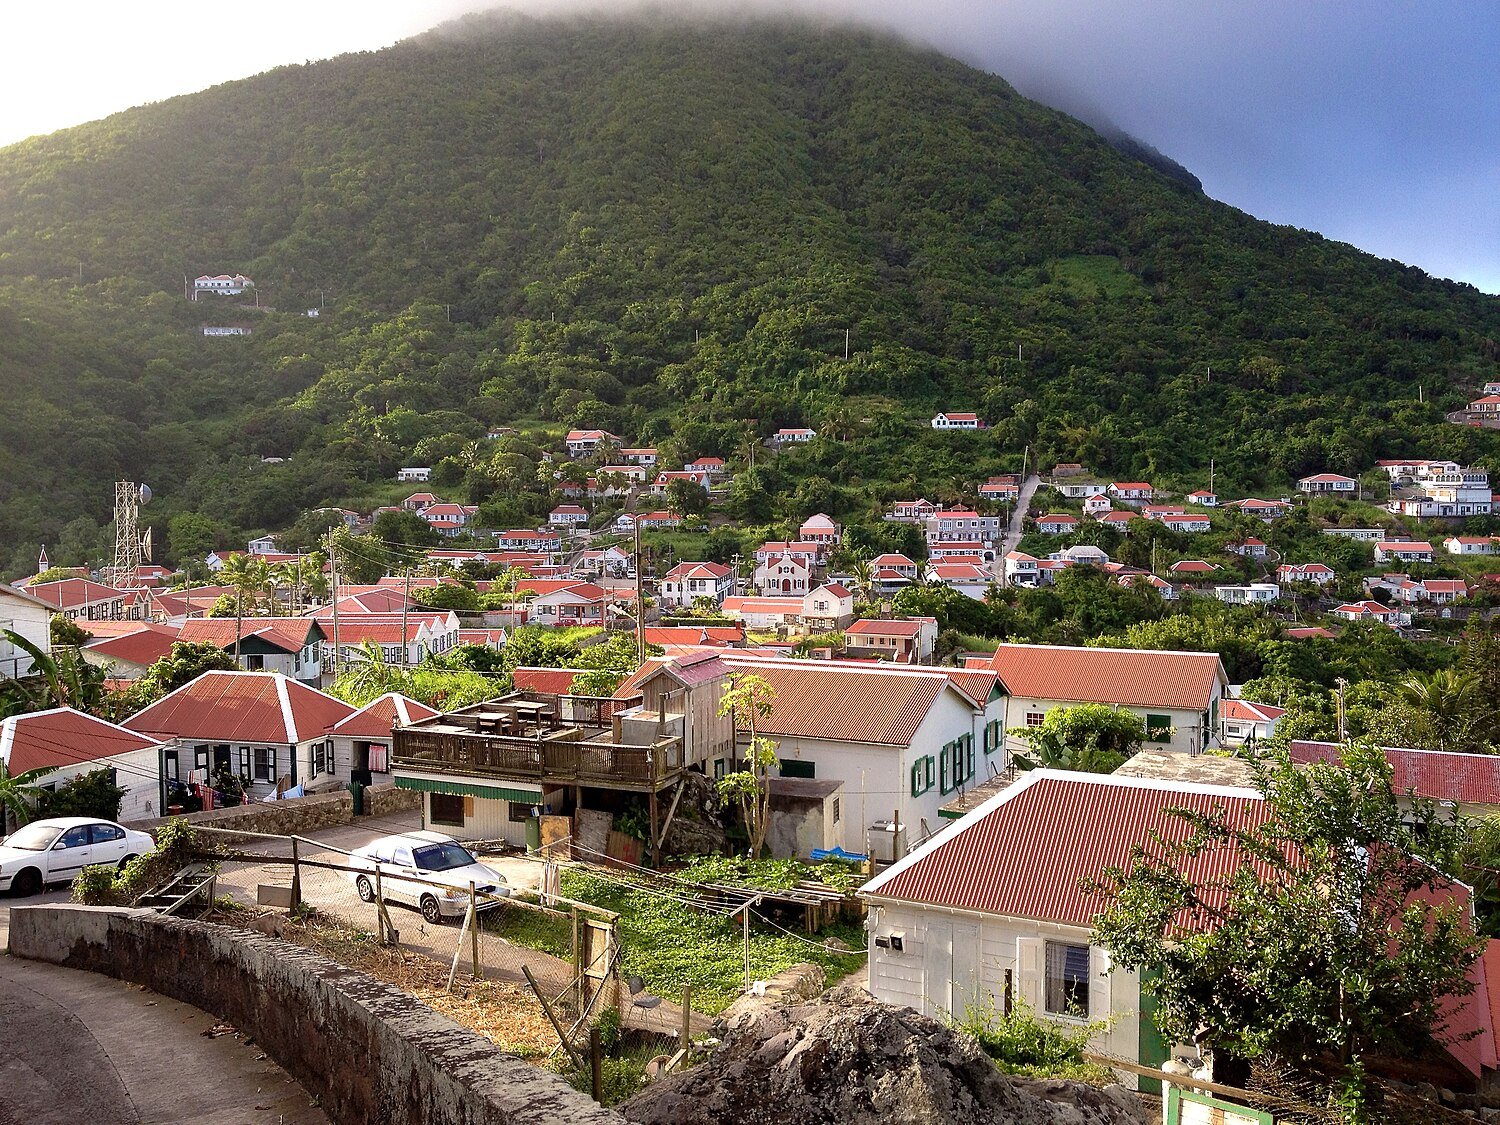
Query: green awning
x,y
469,789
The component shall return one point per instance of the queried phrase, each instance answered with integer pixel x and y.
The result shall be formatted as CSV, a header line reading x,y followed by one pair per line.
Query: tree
x,y
184,663
1329,937
249,577
67,632
396,528
93,794
749,698
191,536
686,498
1090,738
19,792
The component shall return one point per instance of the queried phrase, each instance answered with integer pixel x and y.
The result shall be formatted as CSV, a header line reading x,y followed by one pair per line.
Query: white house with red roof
x,y
582,443
29,617
568,515
419,502
949,525
1022,569
223,284
1134,577
660,520
1176,694
902,640
1371,611
993,909
959,551
1190,567
829,606
1203,498
448,520
81,599
711,467
763,612
566,603
645,456
1132,492
686,582
1318,573
820,528
663,479
129,654
1057,523
1192,522
1266,510
793,435
1121,519
786,573
969,578
1320,483
609,562
1160,511
1244,723
1403,551
71,743
891,572
956,420
289,645
1486,408
912,511
1097,506
524,539
1470,544
261,726
1249,548
404,638
1001,489
362,741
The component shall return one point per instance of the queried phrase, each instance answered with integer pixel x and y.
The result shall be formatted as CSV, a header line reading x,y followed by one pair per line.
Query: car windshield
x,y
441,857
33,837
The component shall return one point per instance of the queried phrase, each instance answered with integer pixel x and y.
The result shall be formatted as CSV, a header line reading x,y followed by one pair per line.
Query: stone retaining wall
x,y
368,1052
300,815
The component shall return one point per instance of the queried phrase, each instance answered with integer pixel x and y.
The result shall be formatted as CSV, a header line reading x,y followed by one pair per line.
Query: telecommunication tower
x,y
130,546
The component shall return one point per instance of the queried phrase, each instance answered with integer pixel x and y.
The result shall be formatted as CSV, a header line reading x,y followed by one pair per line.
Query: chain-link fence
x,y
567,952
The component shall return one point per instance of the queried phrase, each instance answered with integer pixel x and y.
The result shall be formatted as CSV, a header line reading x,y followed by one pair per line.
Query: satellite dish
x,y
146,545
145,494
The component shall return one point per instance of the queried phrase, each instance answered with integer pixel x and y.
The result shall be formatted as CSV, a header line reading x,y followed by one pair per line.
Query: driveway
x,y
1017,521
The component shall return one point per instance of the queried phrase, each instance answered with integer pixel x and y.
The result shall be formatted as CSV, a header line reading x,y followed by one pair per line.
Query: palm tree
x,y
18,792
249,576
1451,697
369,677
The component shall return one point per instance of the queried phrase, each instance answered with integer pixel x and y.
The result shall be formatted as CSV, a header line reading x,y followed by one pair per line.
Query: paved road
x,y
84,1047
1017,519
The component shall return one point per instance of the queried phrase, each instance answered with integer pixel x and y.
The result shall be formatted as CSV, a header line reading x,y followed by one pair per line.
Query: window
x,y
1158,728
1067,985
921,776
794,767
993,738
719,768
264,768
319,758
380,758
445,808
836,810
200,757
944,784
73,837
519,813
1034,718
105,833
171,765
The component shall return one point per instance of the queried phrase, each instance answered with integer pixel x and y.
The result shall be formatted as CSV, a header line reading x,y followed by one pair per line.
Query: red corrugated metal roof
x,y
1471,779
1023,852
376,718
260,707
1182,681
553,681
63,737
290,634
144,644
875,628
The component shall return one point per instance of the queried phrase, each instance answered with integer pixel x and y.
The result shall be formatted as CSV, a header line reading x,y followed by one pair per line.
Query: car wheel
x,y
28,882
126,860
366,892
431,910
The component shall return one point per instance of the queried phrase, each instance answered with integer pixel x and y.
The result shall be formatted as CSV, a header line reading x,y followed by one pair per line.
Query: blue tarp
x,y
837,853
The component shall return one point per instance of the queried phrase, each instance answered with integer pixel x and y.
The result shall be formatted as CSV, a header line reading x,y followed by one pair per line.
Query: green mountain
x,y
667,230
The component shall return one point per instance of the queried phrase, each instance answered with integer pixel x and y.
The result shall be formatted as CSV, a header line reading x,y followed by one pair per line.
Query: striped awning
x,y
469,789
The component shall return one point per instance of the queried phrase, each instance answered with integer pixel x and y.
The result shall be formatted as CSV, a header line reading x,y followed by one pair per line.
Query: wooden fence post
x,y
296,876
596,1064
478,972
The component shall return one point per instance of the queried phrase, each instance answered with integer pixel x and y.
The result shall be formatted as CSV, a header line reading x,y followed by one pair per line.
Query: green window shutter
x,y
943,771
969,756
928,764
1158,728
916,779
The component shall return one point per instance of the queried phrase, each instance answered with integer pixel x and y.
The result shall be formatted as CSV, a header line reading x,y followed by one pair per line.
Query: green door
x,y
1154,1050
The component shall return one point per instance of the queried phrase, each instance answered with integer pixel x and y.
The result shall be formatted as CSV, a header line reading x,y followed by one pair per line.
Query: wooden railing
x,y
534,759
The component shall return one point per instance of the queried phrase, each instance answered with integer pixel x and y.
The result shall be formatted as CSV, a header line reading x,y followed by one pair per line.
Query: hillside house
x,y
419,502
1359,534
1250,548
610,562
956,420
959,551
1446,495
891,572
486,770
129,653
1408,552
1265,510
1186,521
820,528
1371,611
1203,498
289,645
1097,506
568,515
912,511
1192,568
786,573
1001,490
222,284
633,473
563,602
81,599
827,607
644,457
1321,483
29,617
1022,569
793,435
524,539
902,640
585,443
1161,511
448,520
1176,694
1254,593
659,520
1131,492
70,743
419,474
710,467
362,742
1121,519
810,553
993,909
686,582
1057,523
663,479
948,525
403,638
261,726
764,612
1067,469
1242,723
968,578
1315,572
1486,408
902,739
1134,578
1470,544
1081,489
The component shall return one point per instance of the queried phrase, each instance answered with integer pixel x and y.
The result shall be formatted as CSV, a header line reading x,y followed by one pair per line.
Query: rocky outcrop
x,y
698,827
846,1058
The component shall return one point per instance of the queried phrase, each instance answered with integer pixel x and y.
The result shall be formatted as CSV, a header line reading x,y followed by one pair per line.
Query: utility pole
x,y
640,598
405,606
333,566
1341,685
734,562
846,331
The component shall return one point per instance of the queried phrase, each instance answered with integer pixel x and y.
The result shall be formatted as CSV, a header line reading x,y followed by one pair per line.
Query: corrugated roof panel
x,y
241,707
1181,681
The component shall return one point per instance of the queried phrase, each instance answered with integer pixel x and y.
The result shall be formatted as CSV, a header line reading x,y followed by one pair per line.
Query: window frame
x,y
1063,997
432,809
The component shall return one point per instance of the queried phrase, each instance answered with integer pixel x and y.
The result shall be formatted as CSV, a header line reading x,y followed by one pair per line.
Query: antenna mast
x,y
129,497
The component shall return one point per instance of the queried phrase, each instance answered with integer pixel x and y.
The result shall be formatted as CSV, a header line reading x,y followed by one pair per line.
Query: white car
x,y
54,851
410,865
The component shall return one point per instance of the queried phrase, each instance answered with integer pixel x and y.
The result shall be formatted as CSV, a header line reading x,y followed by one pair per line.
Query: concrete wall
x,y
368,1052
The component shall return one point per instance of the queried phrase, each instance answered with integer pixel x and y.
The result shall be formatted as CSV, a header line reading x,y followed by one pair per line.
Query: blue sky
x,y
1375,123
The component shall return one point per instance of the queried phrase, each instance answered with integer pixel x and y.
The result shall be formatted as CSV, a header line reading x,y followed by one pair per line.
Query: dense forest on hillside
x,y
667,231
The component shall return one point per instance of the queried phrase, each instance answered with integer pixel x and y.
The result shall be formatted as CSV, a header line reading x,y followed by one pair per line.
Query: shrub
x,y
1021,1043
176,847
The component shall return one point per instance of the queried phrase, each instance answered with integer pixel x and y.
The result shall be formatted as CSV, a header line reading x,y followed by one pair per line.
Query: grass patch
x,y
1093,275
669,944
532,929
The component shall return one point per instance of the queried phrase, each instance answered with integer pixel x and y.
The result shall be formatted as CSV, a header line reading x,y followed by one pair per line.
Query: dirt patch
x,y
506,1014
